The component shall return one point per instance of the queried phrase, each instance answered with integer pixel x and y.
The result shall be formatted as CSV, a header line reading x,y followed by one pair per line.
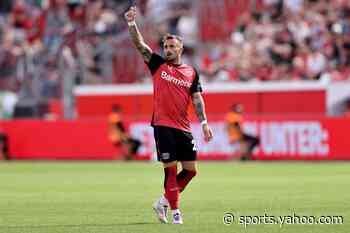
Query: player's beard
x,y
170,57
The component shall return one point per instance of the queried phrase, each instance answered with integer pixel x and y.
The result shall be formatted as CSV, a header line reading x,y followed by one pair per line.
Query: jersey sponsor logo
x,y
164,75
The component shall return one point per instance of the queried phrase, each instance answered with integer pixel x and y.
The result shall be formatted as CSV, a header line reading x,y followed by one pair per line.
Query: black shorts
x,y
174,145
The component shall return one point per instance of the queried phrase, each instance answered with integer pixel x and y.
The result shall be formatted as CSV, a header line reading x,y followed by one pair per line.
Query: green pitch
x,y
106,197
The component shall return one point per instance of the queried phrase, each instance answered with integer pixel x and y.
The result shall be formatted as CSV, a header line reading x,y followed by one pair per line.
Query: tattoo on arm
x,y
139,42
199,106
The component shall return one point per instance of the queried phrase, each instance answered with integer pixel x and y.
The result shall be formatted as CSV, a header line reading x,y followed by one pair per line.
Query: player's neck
x,y
176,61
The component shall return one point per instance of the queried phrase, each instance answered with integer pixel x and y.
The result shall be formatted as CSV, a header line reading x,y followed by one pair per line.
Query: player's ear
x,y
181,48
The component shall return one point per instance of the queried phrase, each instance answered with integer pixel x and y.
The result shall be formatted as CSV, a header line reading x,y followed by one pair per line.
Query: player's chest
x,y
183,72
176,76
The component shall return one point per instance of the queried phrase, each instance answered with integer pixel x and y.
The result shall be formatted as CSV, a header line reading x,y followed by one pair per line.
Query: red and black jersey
x,y
173,86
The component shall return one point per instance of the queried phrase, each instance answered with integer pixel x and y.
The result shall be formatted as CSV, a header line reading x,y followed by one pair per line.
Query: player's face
x,y
172,49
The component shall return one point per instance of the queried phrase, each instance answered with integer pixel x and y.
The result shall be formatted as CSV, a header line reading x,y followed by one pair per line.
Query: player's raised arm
x,y
199,106
136,36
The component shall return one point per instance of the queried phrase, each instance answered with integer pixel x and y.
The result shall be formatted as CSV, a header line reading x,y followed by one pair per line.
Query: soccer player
x,y
175,85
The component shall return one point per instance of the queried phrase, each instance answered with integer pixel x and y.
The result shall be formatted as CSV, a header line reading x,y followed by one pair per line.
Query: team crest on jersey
x,y
187,72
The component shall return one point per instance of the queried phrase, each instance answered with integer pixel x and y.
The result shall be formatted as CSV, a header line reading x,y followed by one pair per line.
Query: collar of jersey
x,y
172,64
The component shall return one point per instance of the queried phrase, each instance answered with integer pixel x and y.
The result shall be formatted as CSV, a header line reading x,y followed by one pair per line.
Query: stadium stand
x,y
228,40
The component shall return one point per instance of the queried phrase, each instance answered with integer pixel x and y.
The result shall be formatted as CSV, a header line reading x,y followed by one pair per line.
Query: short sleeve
x,y
196,85
155,62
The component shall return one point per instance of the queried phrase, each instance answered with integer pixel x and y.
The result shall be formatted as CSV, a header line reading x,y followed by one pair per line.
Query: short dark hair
x,y
169,36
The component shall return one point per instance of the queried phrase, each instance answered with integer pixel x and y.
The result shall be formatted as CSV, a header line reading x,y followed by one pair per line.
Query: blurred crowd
x,y
42,42
285,40
35,33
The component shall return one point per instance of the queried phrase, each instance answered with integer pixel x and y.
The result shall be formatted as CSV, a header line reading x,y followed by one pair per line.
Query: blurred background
x,y
64,64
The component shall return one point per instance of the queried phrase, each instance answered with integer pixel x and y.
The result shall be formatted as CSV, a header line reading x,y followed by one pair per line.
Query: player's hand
x,y
207,133
130,15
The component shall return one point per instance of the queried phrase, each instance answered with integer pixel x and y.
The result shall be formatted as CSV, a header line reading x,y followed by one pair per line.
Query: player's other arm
x,y
136,36
199,107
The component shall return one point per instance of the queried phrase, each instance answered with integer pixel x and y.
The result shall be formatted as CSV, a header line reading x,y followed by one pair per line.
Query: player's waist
x,y
183,126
